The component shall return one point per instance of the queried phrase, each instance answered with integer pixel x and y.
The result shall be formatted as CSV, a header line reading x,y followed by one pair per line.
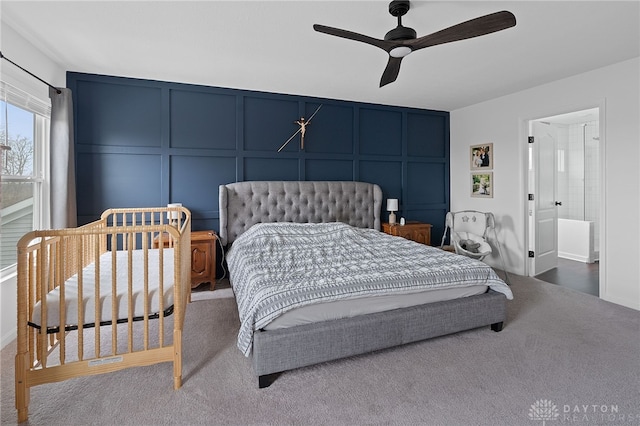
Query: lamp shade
x,y
392,204
173,215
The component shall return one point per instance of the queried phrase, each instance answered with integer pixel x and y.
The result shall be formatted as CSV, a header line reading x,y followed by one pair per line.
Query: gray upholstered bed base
x,y
244,204
275,351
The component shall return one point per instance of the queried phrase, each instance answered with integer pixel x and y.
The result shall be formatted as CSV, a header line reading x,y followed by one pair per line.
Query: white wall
x,y
25,54
502,121
29,57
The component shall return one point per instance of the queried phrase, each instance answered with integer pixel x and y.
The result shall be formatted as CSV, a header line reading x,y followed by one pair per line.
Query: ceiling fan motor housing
x,y
398,9
400,33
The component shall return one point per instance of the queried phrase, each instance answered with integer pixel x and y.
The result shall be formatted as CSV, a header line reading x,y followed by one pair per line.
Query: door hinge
x,y
531,253
531,139
530,197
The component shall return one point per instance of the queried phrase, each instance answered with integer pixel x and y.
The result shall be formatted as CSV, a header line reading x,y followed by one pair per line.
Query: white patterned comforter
x,y
276,267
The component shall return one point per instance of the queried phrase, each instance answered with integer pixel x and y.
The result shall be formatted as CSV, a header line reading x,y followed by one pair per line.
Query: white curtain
x,y
63,176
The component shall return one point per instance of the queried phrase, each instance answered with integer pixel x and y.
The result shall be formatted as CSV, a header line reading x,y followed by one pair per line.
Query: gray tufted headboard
x,y
243,204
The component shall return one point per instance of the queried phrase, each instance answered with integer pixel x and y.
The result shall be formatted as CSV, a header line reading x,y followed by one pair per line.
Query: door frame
x,y
524,134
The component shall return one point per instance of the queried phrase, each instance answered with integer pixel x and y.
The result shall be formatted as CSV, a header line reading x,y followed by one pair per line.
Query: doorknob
x,y
558,203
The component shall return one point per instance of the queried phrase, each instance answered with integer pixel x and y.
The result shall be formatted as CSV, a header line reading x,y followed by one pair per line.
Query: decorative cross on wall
x,y
302,130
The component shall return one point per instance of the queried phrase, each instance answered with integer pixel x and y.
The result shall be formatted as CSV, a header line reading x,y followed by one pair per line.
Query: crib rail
x,y
71,323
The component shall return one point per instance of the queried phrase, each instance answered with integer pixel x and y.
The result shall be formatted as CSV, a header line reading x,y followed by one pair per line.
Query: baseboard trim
x,y
8,338
575,257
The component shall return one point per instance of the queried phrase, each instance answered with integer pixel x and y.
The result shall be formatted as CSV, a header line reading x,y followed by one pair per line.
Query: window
x,y
24,135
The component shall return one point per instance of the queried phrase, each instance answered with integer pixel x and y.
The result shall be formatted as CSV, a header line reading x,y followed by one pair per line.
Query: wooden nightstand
x,y
414,231
203,257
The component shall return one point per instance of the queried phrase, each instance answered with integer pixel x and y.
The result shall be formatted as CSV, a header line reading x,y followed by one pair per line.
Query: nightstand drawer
x,y
203,257
201,261
414,231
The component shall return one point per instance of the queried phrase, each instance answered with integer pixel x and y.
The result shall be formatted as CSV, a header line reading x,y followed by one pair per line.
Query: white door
x,y
545,210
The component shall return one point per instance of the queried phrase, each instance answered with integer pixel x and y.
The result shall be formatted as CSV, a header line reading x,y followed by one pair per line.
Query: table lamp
x,y
392,208
173,215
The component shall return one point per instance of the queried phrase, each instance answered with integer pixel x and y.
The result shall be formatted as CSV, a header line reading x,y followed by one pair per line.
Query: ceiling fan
x,y
401,41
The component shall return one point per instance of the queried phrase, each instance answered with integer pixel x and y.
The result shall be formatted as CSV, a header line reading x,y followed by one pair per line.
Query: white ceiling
x,y
271,45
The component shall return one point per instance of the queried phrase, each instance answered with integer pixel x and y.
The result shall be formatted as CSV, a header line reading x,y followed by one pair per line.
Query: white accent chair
x,y
469,233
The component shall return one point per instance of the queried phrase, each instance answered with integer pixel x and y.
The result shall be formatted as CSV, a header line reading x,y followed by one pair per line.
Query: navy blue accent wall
x,y
148,143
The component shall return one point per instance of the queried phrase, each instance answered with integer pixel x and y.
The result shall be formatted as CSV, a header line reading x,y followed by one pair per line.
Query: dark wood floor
x,y
579,276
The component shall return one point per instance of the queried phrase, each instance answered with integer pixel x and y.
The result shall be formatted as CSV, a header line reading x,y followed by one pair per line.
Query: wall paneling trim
x,y
148,143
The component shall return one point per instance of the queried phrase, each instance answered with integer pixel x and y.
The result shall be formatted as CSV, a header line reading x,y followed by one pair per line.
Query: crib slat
x,y
50,272
42,336
81,262
114,295
31,291
145,248
97,311
130,292
59,248
161,292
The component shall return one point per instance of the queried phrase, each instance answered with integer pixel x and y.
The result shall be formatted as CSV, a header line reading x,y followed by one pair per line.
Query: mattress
x,y
350,308
106,276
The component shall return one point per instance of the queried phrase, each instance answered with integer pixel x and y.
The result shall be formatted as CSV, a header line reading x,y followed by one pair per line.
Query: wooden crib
x,y
87,297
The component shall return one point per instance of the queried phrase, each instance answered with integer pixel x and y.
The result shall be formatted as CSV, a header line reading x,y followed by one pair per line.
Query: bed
x,y
288,322
102,297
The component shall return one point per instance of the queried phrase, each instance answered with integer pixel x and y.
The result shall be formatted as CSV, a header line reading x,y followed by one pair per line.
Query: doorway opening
x,y
564,214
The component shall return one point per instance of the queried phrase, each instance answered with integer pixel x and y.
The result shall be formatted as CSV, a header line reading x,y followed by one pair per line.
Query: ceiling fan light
x,y
400,51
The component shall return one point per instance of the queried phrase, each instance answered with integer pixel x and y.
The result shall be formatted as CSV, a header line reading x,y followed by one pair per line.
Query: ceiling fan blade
x,y
391,71
473,28
382,44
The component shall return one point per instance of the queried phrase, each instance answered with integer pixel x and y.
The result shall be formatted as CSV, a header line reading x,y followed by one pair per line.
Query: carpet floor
x,y
563,358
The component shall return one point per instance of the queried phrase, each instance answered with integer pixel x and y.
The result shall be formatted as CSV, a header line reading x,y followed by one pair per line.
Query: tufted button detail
x,y
327,201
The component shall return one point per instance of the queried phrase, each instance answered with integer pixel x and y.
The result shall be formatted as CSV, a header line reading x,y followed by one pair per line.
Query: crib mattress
x,y
155,272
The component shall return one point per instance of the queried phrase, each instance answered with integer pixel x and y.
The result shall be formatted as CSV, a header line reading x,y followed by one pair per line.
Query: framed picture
x,y
481,156
482,184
